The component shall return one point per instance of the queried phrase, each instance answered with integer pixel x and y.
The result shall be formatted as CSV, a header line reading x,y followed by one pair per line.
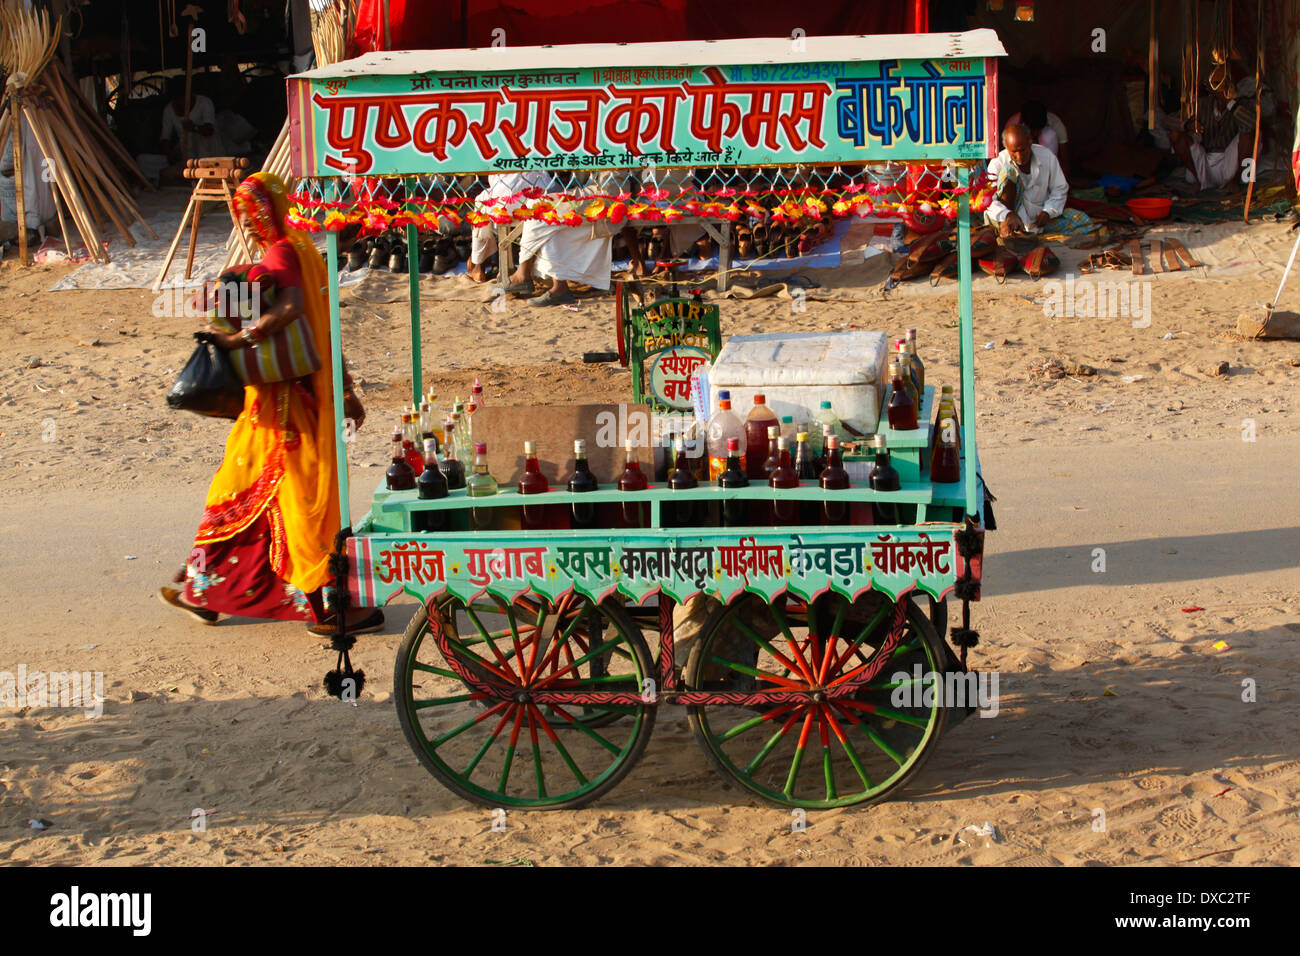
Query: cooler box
x,y
797,372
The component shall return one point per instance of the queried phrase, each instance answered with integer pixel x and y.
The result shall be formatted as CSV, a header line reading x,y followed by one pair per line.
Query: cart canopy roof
x,y
920,46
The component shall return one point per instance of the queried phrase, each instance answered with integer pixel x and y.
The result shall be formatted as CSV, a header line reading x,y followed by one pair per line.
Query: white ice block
x,y
796,372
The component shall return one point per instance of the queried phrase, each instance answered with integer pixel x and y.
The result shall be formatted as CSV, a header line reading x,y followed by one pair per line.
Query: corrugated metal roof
x,y
905,46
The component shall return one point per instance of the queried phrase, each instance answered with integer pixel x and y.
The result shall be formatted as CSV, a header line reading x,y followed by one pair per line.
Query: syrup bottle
x,y
733,476
945,466
884,477
582,516
481,484
784,511
430,486
681,514
902,410
533,482
400,476
834,478
633,479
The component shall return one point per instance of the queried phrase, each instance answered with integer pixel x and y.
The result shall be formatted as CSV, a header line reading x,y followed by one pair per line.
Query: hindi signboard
x,y
716,563
350,122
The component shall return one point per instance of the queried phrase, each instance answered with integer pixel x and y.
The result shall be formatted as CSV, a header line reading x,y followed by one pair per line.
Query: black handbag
x,y
208,384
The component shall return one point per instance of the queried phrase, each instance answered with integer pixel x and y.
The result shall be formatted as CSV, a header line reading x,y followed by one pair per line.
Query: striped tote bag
x,y
288,354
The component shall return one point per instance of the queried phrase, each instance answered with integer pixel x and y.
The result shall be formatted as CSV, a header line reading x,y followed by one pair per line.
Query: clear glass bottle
x,y
427,423
481,484
788,430
723,426
452,467
909,336
774,455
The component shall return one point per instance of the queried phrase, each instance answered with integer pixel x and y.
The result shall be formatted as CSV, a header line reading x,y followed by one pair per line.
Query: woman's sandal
x,y
172,598
368,625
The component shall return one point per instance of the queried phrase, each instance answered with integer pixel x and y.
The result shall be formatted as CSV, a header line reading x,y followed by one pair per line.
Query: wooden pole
x,y
16,112
1259,101
1153,69
76,203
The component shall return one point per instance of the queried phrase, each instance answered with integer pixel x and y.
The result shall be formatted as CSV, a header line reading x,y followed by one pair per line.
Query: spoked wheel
x,y
499,700
814,749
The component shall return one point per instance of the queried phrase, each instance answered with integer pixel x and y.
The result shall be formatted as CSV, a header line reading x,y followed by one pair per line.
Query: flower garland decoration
x,y
374,212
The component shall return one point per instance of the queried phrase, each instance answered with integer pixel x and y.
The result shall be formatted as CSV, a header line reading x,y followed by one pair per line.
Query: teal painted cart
x,y
532,674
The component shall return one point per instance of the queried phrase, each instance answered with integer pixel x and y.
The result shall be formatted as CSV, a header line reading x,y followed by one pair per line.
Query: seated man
x,y
1222,134
1031,189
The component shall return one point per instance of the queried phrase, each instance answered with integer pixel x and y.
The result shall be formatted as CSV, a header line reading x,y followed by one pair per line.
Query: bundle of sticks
x,y
86,166
332,22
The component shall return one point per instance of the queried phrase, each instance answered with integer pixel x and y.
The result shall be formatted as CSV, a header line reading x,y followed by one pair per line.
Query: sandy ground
x,y
1116,707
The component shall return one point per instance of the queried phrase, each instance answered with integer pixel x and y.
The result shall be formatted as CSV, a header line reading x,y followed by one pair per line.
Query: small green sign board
x,y
667,341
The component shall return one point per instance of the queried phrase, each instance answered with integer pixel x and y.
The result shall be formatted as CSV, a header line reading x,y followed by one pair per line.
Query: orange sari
x,y
273,503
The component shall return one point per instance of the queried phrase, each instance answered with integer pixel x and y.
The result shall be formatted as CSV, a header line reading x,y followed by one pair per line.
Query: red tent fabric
x,y
437,24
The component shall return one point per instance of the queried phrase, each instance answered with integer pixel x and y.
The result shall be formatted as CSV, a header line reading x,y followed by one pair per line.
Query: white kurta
x,y
1042,189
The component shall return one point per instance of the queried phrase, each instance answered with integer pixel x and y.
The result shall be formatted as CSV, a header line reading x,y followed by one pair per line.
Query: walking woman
x,y
263,545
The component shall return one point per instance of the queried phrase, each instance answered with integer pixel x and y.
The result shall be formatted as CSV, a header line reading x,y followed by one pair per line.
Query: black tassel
x,y
344,678
965,637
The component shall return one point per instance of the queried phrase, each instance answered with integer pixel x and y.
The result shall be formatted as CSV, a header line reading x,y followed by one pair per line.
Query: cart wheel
x,y
600,665
469,739
620,321
870,743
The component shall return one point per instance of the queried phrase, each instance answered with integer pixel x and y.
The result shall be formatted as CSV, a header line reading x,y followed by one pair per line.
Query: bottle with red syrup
x,y
902,410
734,510
680,514
400,475
784,511
945,467
410,434
635,514
834,478
582,516
757,428
533,482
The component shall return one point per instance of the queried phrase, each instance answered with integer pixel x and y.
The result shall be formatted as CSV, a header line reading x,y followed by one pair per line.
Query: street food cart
x,y
526,678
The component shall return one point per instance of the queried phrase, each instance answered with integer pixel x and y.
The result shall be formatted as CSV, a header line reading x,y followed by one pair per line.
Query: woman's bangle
x,y
250,335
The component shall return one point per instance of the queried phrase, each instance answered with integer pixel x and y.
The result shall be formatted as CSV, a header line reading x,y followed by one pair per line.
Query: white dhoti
x,y
569,253
1214,169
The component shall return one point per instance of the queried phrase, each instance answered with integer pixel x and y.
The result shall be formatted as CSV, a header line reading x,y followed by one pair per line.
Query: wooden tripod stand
x,y
216,179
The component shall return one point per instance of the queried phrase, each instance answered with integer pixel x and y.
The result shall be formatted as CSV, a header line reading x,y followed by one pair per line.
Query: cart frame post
x,y
966,315
413,285
336,357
